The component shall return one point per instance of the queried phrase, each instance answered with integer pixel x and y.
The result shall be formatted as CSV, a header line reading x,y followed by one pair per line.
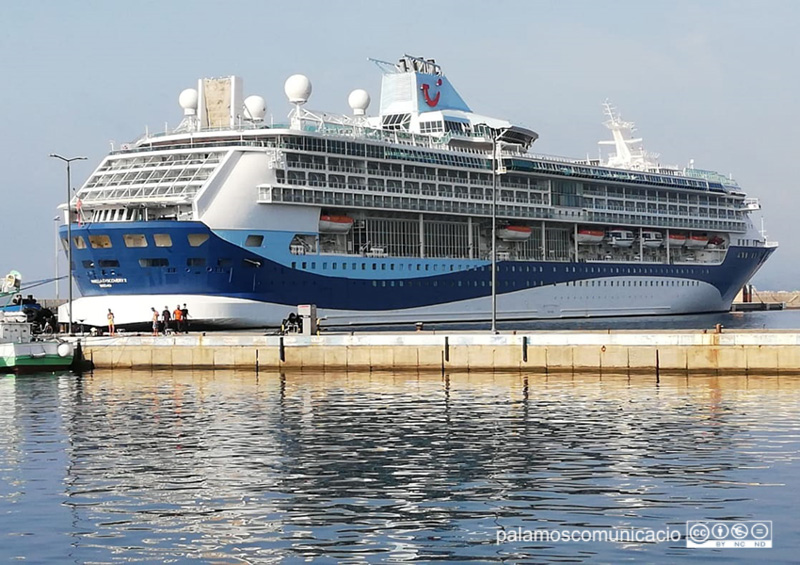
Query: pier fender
x,y
79,364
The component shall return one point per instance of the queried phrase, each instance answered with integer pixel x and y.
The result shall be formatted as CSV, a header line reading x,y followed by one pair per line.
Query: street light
x,y
496,170
494,232
69,230
55,235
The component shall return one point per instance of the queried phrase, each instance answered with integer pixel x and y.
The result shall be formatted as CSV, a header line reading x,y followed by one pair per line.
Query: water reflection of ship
x,y
231,456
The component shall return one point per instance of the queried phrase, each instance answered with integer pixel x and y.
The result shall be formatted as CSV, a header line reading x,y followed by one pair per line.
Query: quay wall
x,y
760,352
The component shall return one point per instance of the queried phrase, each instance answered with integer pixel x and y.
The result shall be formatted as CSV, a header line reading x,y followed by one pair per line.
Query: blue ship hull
x,y
222,267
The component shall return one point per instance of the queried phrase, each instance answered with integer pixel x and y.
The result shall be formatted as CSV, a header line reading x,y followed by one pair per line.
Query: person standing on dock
x,y
177,315
165,319
110,317
155,321
185,319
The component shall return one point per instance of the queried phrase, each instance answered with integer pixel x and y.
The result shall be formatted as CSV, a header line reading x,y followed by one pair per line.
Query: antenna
x,y
629,151
385,67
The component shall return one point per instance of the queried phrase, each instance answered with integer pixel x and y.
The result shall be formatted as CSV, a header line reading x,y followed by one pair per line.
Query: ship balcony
x,y
369,197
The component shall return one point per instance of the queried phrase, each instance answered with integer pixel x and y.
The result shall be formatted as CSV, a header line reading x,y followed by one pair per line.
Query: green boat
x,y
20,352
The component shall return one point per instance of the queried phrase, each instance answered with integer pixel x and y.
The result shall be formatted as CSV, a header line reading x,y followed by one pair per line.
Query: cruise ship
x,y
396,217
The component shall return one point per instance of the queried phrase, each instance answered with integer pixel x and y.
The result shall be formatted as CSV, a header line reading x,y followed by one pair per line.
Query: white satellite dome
x,y
188,101
297,89
359,101
255,108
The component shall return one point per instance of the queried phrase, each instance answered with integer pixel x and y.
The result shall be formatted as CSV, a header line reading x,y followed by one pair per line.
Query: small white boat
x,y
20,352
652,238
514,233
696,240
335,224
588,236
677,239
619,238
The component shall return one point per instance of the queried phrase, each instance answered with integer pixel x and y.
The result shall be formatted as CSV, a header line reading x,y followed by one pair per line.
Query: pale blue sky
x,y
714,81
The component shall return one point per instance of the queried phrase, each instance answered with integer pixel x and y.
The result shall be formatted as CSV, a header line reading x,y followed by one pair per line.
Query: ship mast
x,y
629,153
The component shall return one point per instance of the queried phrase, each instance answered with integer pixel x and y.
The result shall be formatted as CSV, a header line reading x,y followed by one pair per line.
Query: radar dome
x,y
188,101
358,100
255,108
297,89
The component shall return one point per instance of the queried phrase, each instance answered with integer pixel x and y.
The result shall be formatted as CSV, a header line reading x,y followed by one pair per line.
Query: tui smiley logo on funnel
x,y
428,100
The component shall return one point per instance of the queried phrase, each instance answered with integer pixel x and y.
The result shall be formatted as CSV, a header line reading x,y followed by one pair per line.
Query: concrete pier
x,y
631,352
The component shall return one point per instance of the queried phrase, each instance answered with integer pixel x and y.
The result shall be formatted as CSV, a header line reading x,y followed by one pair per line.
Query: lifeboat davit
x,y
335,224
514,233
677,239
652,238
697,240
590,237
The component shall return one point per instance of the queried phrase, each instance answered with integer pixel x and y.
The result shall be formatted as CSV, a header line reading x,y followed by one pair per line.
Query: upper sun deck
x,y
425,148
422,119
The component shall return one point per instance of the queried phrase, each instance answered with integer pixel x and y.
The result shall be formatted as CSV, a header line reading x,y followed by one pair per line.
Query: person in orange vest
x,y
177,315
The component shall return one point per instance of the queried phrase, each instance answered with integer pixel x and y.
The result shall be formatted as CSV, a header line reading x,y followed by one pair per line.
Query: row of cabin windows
x,y
201,262
425,282
400,266
102,241
632,283
159,240
163,262
508,269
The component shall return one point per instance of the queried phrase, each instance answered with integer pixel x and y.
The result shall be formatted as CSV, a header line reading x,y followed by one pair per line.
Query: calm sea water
x,y
242,468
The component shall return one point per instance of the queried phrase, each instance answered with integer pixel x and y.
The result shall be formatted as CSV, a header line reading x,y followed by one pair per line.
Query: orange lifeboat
x,y
590,237
676,239
335,224
697,240
514,233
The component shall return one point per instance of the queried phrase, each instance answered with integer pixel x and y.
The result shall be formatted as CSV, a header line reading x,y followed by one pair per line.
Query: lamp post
x,y
55,235
68,161
494,232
